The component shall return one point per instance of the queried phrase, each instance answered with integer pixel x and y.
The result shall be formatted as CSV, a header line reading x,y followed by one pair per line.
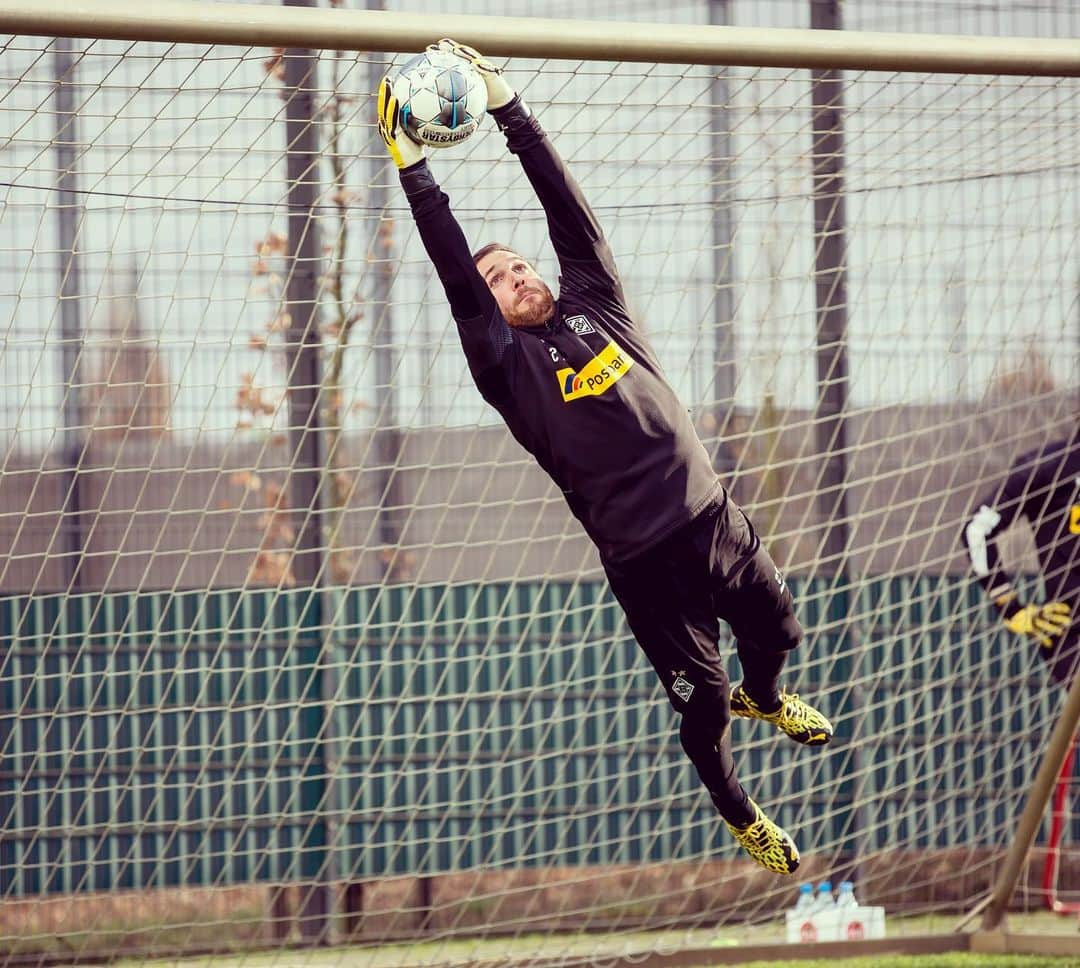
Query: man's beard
x,y
534,311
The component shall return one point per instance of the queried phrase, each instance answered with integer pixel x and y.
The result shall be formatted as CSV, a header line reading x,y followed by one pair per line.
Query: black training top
x,y
1044,487
584,394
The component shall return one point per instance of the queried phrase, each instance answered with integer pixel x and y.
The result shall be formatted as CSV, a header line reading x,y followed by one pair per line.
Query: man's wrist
x,y
417,178
511,114
1005,599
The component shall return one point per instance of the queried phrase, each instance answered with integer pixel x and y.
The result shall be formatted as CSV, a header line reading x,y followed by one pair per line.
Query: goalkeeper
x,y
1044,487
579,386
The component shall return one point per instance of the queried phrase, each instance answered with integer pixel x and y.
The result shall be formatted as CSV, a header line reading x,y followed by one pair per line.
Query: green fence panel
x,y
229,737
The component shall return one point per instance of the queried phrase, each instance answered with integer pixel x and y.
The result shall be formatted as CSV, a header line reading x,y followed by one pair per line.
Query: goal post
x,y
1059,746
291,622
191,21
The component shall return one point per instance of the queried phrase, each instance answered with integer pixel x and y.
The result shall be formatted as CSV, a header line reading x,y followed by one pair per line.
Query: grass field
x,y
956,960
609,951
354,959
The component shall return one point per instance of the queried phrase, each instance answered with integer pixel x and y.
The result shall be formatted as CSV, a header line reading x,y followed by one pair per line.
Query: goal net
x,y
300,645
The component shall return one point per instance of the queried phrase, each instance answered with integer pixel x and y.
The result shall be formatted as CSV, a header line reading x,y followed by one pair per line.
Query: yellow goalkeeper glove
x,y
1044,623
499,93
403,150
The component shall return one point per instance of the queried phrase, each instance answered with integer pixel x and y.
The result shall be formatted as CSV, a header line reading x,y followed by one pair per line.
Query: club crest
x,y
682,688
579,325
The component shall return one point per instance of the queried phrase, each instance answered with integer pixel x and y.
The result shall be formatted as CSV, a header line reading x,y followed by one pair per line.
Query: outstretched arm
x,y
996,512
585,258
485,337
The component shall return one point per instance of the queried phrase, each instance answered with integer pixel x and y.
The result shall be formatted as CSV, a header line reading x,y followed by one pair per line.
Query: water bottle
x,y
801,924
845,897
804,903
824,899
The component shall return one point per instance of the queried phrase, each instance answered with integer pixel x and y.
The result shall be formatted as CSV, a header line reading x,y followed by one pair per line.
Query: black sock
x,y
738,816
768,702
761,674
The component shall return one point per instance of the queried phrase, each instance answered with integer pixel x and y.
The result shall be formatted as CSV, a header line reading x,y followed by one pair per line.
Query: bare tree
x,y
127,392
342,310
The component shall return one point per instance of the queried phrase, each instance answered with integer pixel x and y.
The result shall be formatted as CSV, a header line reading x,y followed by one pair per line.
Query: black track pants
x,y
674,596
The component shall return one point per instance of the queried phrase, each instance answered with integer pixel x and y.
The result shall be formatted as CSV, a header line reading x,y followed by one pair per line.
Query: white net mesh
x,y
455,735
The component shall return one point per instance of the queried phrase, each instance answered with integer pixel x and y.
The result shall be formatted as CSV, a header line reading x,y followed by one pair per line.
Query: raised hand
x,y
403,150
1046,624
498,90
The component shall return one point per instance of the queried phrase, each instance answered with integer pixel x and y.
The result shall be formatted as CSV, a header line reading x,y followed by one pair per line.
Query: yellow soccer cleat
x,y
767,843
801,722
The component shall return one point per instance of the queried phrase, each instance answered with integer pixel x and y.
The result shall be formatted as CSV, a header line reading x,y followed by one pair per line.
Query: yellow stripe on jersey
x,y
601,372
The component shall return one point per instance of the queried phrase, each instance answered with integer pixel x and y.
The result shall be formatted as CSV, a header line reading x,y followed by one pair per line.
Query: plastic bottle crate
x,y
852,923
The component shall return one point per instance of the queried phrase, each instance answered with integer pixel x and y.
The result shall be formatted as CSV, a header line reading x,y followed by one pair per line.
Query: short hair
x,y
488,249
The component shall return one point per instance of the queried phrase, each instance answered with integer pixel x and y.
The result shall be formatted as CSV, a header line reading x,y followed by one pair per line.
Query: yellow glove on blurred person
x,y
1044,623
499,93
404,151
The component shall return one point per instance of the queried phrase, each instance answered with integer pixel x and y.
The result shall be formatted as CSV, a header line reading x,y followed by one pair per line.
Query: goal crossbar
x,y
178,21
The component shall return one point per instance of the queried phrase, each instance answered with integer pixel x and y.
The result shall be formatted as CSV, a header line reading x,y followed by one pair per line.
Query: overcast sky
x,y
962,213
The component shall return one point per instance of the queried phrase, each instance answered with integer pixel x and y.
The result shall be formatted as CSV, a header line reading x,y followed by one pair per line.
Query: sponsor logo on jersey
x,y
579,325
603,371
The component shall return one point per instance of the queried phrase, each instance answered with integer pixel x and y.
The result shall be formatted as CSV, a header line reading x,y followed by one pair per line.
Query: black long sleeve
x,y
484,335
1044,487
584,392
585,259
996,511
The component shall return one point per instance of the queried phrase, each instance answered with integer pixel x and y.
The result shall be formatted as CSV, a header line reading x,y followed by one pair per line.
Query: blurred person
x,y
581,388
1042,486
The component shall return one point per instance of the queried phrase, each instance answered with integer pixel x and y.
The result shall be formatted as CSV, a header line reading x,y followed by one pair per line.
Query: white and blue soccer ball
x,y
442,98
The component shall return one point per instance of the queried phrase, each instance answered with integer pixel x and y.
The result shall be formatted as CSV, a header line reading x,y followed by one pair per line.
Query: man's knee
x,y
781,636
789,634
765,621
702,729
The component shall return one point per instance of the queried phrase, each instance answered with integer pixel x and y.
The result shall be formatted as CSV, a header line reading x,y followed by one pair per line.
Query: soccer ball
x,y
442,98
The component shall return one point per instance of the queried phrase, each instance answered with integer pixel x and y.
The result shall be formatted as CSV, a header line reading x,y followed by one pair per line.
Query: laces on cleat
x,y
799,720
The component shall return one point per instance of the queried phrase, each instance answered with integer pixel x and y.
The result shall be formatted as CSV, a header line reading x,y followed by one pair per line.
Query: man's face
x,y
523,297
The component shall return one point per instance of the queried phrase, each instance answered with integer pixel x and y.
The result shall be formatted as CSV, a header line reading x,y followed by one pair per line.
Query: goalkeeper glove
x,y
499,93
1044,623
403,150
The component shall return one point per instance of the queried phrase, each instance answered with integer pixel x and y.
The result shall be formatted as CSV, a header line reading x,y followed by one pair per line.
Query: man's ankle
x,y
740,816
767,699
